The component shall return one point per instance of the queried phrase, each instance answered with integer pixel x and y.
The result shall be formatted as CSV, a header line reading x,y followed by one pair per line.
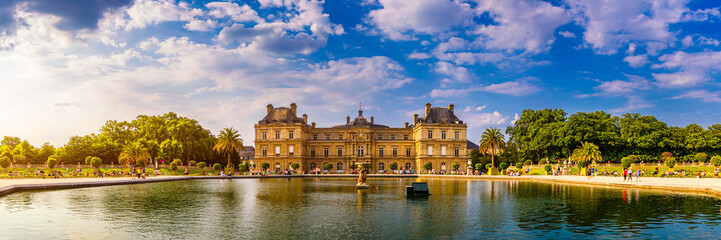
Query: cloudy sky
x,y
68,66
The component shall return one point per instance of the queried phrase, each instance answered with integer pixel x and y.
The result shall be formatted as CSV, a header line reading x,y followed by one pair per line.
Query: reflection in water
x,y
314,208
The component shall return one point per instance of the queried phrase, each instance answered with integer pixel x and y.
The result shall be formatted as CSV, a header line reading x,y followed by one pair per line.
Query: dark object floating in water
x,y
418,189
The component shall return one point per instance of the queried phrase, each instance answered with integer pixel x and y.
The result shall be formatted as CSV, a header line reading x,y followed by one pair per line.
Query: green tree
x,y
547,168
503,166
202,165
528,163
455,166
626,162
217,167
87,160
393,166
96,162
492,142
10,141
243,167
327,166
479,166
230,167
701,157
46,151
296,166
265,166
586,153
141,163
174,166
4,162
519,165
170,149
229,142
716,160
665,155
428,166
670,162
132,152
193,163
489,166
51,163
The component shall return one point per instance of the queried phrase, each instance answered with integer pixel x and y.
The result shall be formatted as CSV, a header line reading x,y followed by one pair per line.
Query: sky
x,y
68,66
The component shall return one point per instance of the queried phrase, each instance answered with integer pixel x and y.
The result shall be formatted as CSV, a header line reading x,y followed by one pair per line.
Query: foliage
x,y
670,162
626,162
193,163
295,165
265,166
352,167
216,166
230,167
141,163
492,142
716,160
428,166
547,167
393,166
202,165
701,157
96,162
633,158
455,166
174,166
665,155
489,166
132,152
582,164
243,167
4,162
586,153
519,165
528,163
503,166
479,166
51,163
229,142
327,166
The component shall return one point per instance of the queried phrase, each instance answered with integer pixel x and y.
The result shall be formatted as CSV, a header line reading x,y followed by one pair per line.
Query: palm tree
x,y
492,142
229,141
132,152
586,152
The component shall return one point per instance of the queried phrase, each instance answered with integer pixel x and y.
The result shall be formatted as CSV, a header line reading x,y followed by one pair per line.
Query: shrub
x,y
88,160
96,162
51,163
581,164
528,162
327,166
547,167
428,166
633,158
173,166
665,155
265,166
670,162
479,166
140,162
489,166
701,157
230,167
503,165
626,162
5,162
393,166
716,160
217,167
202,165
519,165
177,162
455,166
296,165
193,163
243,167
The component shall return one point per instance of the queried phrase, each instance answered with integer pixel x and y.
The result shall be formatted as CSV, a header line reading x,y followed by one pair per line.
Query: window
x,y
360,151
312,166
393,137
277,167
443,134
408,152
315,136
340,136
339,167
408,166
265,151
380,151
290,151
458,135
277,134
327,137
430,134
443,150
430,150
381,166
395,152
264,135
443,166
277,151
312,152
380,137
340,152
405,137
325,152
290,134
456,152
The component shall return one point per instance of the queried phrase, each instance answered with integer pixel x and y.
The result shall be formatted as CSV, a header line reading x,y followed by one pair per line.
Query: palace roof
x,y
281,115
440,115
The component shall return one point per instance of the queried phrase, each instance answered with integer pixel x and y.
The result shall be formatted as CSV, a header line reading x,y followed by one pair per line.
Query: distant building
x,y
248,153
439,138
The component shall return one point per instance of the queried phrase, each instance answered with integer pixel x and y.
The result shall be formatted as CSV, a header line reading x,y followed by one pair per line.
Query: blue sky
x,y
67,66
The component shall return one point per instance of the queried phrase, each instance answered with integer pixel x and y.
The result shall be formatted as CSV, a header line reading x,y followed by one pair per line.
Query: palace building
x,y
283,138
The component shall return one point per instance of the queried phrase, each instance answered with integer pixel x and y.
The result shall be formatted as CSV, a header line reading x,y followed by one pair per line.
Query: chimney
x,y
270,107
428,109
450,106
372,119
312,125
293,107
347,119
406,124
415,118
305,118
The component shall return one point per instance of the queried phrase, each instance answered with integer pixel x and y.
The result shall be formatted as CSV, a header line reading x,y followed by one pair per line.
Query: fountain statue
x,y
362,175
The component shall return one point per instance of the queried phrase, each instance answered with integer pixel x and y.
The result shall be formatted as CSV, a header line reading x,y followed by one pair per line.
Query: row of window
x,y
339,166
380,136
456,151
443,134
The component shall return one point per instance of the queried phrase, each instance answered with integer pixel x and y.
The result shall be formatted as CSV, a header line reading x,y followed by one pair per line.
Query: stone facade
x,y
282,138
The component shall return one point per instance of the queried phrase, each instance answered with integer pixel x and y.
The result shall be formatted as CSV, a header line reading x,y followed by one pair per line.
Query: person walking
x,y
625,174
630,174
638,175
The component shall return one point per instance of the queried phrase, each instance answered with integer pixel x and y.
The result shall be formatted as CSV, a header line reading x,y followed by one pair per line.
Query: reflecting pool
x,y
312,208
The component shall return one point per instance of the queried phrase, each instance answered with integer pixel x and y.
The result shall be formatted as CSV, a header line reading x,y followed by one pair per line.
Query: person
x,y
186,172
638,175
630,174
625,174
143,173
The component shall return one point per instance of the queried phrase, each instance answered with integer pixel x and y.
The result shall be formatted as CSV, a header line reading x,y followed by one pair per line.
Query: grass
x,y
648,170
89,172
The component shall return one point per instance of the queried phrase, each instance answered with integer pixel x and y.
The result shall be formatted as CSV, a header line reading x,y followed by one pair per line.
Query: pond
x,y
331,208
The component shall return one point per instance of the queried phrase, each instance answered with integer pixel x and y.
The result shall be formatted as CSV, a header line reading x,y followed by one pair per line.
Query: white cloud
x,y
518,87
149,12
633,103
680,79
419,56
236,12
691,68
700,14
458,74
619,86
401,19
567,34
700,40
636,61
200,25
704,95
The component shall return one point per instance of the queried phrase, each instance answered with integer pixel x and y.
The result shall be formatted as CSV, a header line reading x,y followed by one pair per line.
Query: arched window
x,y
312,166
339,167
381,166
408,166
443,166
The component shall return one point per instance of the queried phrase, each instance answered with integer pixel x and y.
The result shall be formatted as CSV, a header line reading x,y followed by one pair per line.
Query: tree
x,y
87,160
141,163
479,166
327,166
665,155
96,162
174,166
701,157
455,166
393,166
217,166
132,152
4,162
265,166
229,142
547,168
46,151
489,166
230,167
51,163
503,166
428,166
492,142
10,141
519,165
670,162
202,165
192,163
716,160
586,153
626,162
528,163
243,167
296,166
